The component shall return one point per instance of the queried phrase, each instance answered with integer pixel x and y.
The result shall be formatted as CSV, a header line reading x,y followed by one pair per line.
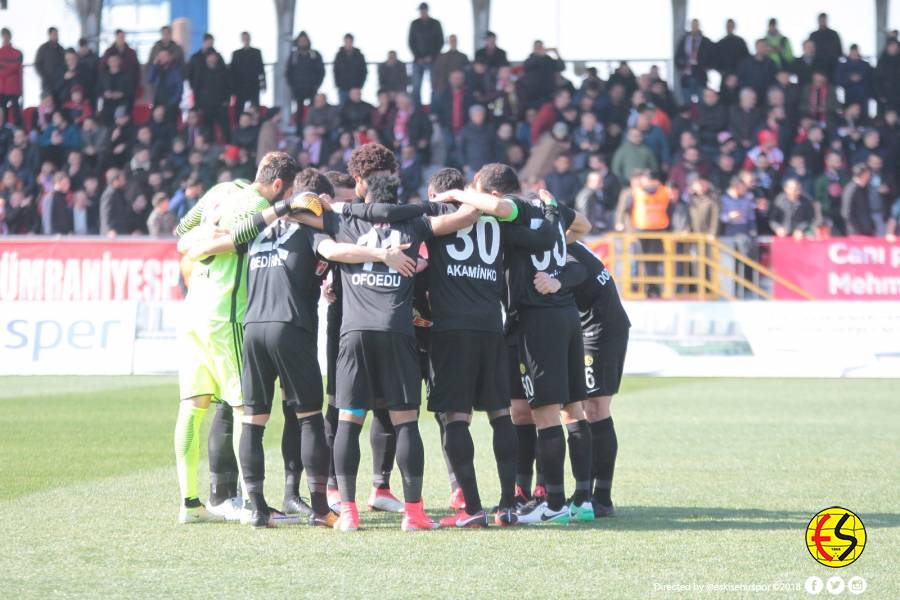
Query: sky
x,y
595,30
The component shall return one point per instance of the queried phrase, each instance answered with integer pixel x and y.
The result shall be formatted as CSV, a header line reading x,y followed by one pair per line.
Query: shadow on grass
x,y
644,518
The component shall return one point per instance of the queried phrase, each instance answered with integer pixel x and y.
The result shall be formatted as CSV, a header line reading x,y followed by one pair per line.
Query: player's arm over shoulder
x,y
450,222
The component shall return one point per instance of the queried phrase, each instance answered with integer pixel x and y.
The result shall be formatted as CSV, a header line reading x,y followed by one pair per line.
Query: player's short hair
x,y
382,189
310,180
446,179
340,180
369,158
276,165
497,177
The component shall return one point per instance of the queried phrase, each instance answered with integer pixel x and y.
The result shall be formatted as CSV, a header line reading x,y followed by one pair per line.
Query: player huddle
x,y
482,292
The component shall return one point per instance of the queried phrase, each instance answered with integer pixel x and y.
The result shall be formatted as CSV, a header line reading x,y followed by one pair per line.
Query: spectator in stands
x,y
81,214
562,181
129,61
94,141
855,207
704,205
186,196
597,199
212,94
165,42
165,76
411,126
738,214
21,214
798,170
323,115
539,73
452,106
882,190
356,113
887,78
730,51
198,65
490,54
804,65
780,50
587,139
688,167
426,38
88,61
476,142
712,118
819,100
745,119
792,212
246,134
633,155
73,77
116,89
49,62
855,76
446,63
757,71
828,190
305,72
652,135
248,73
829,48
392,77
550,113
56,216
10,78
410,173
693,56
161,222
350,69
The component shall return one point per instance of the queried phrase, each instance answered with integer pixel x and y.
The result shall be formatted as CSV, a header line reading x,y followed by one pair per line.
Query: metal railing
x,y
686,266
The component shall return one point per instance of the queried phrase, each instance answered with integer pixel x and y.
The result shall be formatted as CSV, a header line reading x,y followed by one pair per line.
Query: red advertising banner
x,y
85,269
850,268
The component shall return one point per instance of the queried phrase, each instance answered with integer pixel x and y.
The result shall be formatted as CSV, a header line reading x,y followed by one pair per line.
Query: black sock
x,y
606,446
553,458
384,448
506,448
461,450
346,458
314,450
580,459
253,463
538,473
223,467
331,422
290,452
411,459
454,485
527,437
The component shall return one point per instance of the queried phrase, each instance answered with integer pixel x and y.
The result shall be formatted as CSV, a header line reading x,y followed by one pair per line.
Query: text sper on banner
x,y
851,268
88,270
66,338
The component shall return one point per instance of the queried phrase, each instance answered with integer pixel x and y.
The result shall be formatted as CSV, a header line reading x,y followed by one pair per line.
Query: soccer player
x,y
605,325
377,359
210,335
467,349
549,337
365,161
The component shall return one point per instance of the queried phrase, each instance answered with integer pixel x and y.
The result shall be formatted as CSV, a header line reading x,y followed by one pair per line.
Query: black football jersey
x,y
597,297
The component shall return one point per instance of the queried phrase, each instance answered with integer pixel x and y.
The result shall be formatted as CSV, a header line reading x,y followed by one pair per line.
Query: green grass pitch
x,y
715,483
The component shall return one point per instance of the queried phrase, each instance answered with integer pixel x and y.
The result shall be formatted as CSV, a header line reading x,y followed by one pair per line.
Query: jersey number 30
x,y
487,255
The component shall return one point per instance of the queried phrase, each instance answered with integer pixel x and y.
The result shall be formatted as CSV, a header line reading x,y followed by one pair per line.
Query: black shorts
x,y
423,334
515,373
552,350
467,370
332,343
604,361
379,369
288,353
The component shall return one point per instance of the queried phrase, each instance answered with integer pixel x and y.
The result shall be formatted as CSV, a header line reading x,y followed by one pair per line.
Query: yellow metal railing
x,y
687,266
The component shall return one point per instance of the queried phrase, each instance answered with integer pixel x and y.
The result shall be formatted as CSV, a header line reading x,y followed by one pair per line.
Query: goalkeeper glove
x,y
307,201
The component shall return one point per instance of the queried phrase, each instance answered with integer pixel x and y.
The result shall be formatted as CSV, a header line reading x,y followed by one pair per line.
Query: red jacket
x,y
10,71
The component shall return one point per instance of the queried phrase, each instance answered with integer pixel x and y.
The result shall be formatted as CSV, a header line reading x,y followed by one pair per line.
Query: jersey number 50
x,y
558,254
487,255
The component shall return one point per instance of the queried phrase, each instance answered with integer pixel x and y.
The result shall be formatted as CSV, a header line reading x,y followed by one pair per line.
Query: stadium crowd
x,y
789,145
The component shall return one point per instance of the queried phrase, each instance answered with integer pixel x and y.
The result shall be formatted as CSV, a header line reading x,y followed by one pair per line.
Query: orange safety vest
x,y
649,212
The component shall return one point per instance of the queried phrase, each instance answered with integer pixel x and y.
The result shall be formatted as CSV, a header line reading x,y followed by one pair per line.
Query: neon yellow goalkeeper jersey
x,y
218,285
